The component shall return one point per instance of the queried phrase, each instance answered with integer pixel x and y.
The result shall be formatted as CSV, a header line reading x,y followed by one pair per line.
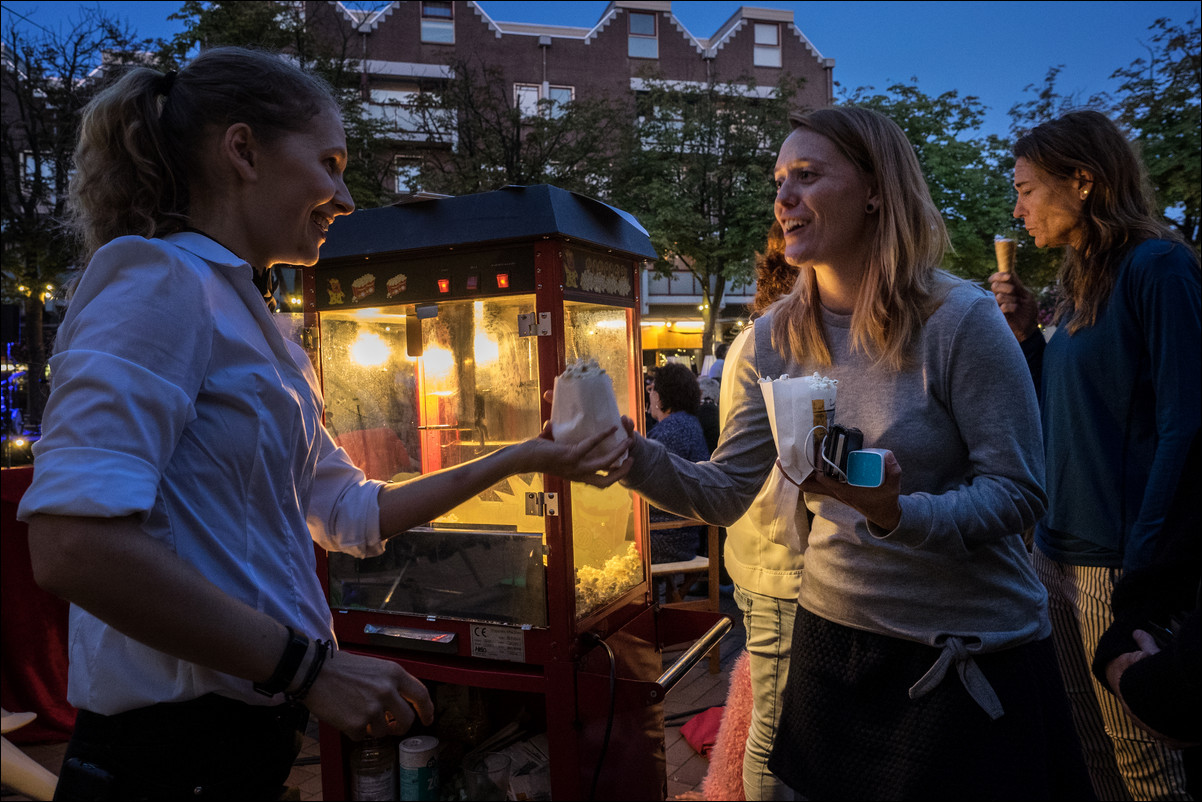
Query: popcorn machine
x,y
436,326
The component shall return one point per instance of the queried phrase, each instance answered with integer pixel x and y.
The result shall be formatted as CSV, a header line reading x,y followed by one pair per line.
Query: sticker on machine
x,y
498,643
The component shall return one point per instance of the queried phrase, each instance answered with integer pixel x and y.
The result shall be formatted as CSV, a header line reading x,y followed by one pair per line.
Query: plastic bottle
x,y
374,770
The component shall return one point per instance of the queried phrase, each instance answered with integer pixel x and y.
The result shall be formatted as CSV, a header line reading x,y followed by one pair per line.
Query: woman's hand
x,y
366,697
592,461
1114,673
1017,304
878,504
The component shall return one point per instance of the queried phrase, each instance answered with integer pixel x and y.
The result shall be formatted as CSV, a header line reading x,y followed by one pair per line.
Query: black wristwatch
x,y
285,670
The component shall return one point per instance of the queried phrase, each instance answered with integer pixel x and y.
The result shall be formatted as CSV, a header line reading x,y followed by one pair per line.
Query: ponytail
x,y
126,179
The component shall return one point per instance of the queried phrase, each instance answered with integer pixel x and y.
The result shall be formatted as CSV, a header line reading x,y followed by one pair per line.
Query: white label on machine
x,y
498,643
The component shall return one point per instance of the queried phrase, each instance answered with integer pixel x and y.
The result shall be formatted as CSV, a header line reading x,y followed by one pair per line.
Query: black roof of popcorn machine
x,y
513,213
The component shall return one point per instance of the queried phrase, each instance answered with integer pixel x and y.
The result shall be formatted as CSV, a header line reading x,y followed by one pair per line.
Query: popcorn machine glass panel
x,y
473,389
607,560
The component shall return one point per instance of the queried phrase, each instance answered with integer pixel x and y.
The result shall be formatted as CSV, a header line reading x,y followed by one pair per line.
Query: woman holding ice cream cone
x,y
1120,394
921,662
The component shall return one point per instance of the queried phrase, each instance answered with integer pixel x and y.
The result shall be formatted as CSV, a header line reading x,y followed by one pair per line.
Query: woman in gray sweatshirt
x,y
921,664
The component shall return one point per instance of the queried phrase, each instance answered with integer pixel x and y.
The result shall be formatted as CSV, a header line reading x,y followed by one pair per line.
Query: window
x,y
438,23
528,98
642,42
395,107
559,97
408,170
525,98
767,45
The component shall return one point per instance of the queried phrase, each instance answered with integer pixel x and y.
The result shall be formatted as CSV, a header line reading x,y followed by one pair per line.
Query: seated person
x,y
675,397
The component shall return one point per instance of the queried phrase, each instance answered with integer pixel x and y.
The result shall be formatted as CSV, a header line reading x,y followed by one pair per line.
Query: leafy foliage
x,y
697,171
492,142
1046,102
968,175
1159,100
47,77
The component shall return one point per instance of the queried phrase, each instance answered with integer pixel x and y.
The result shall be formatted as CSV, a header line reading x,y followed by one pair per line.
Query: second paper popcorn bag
x,y
800,410
584,404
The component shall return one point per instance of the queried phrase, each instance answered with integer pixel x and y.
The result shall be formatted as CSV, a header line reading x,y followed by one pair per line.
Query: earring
x,y
870,208
1084,192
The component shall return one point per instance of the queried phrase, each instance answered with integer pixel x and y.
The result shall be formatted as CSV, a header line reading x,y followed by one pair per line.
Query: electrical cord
x,y
609,723
838,472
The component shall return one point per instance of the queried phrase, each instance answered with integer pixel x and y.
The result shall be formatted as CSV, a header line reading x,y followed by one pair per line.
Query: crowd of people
x,y
917,649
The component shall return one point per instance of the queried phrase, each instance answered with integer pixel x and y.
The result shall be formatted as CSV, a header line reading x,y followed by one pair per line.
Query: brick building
x,y
405,47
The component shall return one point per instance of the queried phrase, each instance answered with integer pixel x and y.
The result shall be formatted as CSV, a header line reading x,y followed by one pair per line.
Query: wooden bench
x,y
681,575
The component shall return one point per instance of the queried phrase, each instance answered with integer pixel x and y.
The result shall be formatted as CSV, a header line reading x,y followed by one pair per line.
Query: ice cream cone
x,y
1004,248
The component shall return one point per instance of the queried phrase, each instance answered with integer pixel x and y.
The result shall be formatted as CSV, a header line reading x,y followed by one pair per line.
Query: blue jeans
x,y
769,623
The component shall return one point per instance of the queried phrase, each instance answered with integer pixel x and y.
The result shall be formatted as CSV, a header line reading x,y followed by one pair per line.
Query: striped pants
x,y
1124,762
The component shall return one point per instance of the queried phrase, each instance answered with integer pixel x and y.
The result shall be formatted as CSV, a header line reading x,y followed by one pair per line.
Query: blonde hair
x,y
899,292
1119,211
141,139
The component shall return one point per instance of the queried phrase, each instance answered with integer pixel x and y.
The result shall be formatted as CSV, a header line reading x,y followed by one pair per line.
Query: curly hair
x,y
1119,212
141,140
900,287
677,388
774,276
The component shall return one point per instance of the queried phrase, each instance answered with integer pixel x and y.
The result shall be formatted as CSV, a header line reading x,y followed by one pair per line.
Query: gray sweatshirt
x,y
964,425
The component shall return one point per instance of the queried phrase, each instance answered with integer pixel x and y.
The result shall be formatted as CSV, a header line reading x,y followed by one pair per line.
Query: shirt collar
x,y
208,249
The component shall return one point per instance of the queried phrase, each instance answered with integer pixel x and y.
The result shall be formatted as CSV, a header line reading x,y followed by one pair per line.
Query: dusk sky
x,y
989,49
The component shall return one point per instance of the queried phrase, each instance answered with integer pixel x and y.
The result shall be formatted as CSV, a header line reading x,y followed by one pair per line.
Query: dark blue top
x,y
1121,404
681,434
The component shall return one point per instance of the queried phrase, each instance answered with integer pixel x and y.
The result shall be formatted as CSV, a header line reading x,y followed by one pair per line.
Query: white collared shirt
x,y
175,398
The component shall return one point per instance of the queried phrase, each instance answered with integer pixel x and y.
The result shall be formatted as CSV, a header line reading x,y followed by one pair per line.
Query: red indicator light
x,y
502,281
444,285
473,283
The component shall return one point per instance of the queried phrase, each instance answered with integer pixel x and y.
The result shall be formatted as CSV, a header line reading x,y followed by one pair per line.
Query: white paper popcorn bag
x,y
795,407
584,404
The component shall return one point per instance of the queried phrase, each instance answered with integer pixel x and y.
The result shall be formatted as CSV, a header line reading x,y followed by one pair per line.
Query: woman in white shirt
x,y
184,469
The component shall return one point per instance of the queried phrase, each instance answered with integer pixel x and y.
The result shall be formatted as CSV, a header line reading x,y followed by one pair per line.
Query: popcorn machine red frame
x,y
590,678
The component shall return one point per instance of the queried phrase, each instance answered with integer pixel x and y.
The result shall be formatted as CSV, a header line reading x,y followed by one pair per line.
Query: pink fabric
x,y
724,780
701,730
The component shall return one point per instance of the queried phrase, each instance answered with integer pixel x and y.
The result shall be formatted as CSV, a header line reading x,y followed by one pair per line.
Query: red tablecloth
x,y
33,629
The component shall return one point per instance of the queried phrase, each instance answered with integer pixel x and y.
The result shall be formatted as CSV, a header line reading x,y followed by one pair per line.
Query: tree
x,y
1159,101
1048,103
697,171
969,176
489,140
48,76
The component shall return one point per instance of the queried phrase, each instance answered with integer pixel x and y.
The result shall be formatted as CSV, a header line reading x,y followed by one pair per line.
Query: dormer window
x,y
438,23
767,45
642,41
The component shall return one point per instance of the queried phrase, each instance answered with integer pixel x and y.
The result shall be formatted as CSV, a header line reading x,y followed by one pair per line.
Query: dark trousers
x,y
207,748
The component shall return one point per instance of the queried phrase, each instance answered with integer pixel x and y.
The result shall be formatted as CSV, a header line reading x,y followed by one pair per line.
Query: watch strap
x,y
285,670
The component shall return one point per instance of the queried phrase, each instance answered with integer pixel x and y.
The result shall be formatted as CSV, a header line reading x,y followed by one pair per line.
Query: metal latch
x,y
542,504
530,325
